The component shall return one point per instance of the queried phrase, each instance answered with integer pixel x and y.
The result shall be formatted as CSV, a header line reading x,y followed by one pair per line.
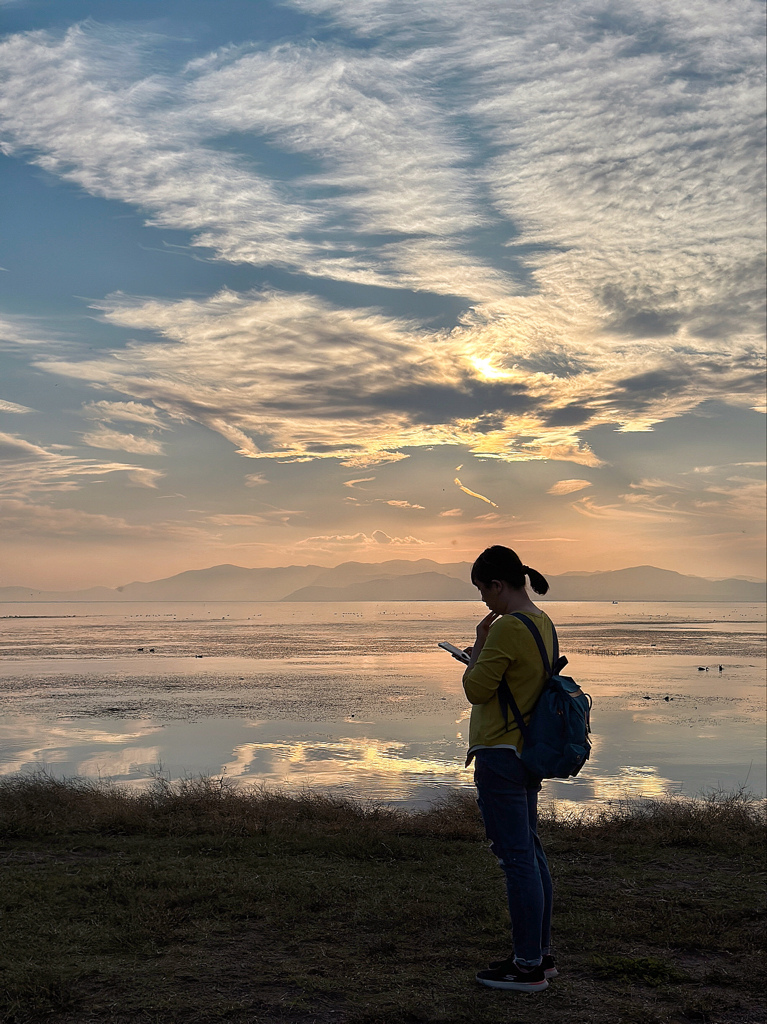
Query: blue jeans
x,y
508,801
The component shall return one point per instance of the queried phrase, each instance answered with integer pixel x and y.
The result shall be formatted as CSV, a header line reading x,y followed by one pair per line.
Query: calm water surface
x,y
358,699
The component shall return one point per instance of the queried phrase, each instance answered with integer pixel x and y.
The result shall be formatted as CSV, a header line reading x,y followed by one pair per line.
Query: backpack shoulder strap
x,y
539,640
506,700
559,661
505,696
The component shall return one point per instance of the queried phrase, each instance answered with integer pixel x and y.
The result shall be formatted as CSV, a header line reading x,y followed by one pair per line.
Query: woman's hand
x,y
483,628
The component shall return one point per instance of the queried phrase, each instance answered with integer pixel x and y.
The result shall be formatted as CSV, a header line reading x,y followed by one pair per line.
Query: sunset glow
x,y
271,272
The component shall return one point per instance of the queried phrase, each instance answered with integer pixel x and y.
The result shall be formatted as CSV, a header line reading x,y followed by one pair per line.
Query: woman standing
x,y
506,792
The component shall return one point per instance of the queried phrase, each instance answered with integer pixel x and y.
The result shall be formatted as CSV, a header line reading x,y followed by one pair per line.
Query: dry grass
x,y
38,804
197,902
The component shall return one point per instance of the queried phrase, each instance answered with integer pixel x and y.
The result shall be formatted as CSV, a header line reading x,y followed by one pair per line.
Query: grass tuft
x,y
719,820
38,804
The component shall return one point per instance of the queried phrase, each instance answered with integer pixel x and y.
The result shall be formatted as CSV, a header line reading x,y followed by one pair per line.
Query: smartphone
x,y
455,651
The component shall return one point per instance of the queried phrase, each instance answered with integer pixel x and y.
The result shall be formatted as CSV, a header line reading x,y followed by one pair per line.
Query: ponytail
x,y
500,563
538,582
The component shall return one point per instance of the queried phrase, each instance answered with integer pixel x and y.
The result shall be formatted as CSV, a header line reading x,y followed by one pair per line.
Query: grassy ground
x,y
196,903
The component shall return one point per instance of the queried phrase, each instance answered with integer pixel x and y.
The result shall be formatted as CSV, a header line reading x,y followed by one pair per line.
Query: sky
x,y
312,281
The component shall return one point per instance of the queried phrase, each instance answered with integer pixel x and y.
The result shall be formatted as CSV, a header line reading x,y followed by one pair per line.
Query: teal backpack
x,y
557,743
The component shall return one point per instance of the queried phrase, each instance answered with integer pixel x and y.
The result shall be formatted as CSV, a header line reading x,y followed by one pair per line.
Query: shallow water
x,y
358,699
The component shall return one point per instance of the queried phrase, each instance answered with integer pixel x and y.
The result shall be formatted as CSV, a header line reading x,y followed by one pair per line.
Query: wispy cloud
x,y
584,183
114,441
24,518
359,480
568,486
388,161
236,519
290,377
593,141
362,541
712,493
473,494
27,468
601,161
311,381
133,412
13,407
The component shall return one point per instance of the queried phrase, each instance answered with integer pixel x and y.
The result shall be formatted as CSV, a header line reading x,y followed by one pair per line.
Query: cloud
x,y
473,494
255,480
725,492
330,542
706,493
292,378
452,512
234,519
23,518
383,538
143,477
600,145
568,486
115,441
619,132
385,158
651,509
360,480
334,540
269,515
587,181
132,411
398,503
13,407
28,467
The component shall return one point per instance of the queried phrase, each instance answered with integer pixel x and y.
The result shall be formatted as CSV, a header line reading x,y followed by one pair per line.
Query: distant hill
x,y
397,580
647,583
420,586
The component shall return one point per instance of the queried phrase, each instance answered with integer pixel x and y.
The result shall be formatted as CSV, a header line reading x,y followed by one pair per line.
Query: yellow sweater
x,y
509,650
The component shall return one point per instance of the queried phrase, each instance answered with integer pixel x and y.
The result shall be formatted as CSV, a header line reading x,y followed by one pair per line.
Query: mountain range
x,y
398,580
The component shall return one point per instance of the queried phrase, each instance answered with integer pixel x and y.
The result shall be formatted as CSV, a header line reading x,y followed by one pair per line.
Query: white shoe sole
x,y
515,986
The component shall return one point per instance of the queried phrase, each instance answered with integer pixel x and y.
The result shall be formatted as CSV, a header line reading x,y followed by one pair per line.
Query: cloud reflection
x,y
28,741
633,781
120,762
335,760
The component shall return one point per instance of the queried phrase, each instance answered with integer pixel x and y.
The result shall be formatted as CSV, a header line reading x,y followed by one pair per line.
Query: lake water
x,y
358,699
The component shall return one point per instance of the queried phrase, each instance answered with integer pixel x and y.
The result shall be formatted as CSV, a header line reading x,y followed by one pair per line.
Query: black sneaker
x,y
548,964
514,977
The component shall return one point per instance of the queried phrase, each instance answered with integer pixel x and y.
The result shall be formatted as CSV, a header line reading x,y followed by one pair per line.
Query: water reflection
x,y
373,727
28,742
633,781
331,760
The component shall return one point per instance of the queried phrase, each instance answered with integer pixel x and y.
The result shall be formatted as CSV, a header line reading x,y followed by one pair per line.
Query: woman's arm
x,y
483,629
489,660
